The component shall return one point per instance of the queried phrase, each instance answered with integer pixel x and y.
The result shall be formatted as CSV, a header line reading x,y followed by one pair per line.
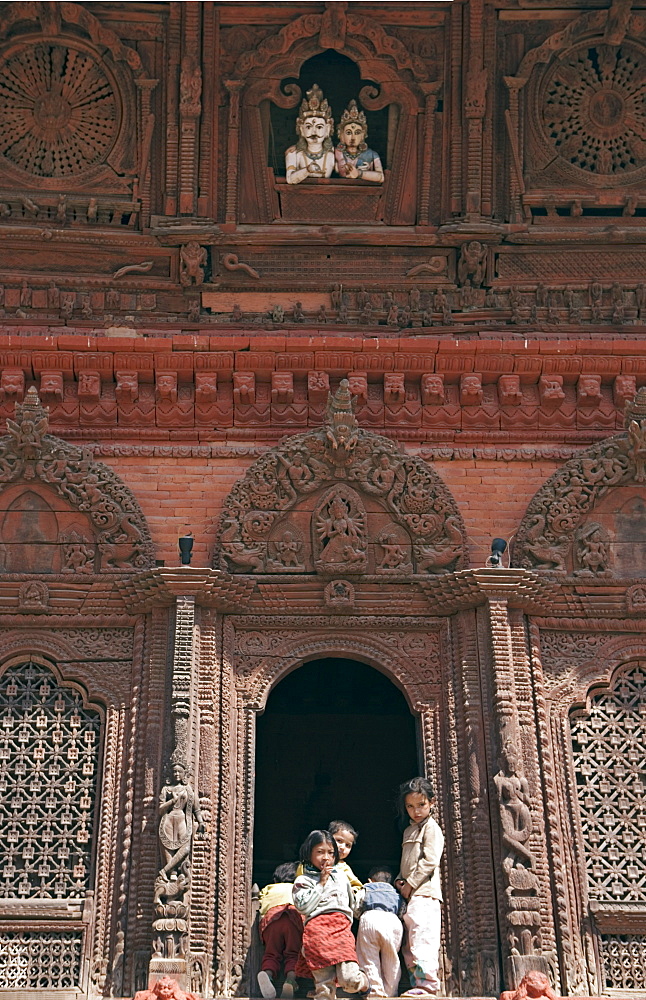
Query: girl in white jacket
x,y
419,884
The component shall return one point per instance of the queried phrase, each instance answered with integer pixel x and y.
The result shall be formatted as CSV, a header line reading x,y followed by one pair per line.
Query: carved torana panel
x,y
608,745
294,513
40,959
49,746
58,110
589,518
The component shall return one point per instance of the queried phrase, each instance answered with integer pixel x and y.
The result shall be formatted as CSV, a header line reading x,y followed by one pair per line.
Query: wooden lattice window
x,y
609,750
49,747
40,959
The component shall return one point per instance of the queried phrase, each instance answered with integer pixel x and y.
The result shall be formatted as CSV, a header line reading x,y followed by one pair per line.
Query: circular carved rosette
x,y
59,109
592,115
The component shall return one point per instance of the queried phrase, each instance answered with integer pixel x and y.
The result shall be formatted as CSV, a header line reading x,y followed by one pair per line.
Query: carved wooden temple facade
x,y
335,390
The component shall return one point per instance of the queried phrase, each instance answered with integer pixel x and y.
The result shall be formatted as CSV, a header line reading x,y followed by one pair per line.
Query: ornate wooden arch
x,y
58,649
410,661
30,456
591,669
563,505
334,29
399,516
401,78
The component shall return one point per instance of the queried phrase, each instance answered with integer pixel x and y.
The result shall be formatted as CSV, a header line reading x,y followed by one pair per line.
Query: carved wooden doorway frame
x,y
258,652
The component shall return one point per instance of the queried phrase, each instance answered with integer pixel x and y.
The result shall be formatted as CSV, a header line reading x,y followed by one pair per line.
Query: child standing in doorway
x,y
419,884
325,899
380,933
281,931
345,837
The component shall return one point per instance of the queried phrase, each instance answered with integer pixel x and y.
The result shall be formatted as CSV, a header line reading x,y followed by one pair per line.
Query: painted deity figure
x,y
352,157
312,156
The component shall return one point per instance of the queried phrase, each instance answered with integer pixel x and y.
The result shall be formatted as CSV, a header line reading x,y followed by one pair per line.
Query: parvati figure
x,y
312,156
352,158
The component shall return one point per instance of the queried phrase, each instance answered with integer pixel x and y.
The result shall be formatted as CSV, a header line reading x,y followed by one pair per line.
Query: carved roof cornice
x,y
161,586
554,602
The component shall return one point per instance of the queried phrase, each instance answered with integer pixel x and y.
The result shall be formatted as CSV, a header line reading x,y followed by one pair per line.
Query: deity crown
x,y
352,115
314,106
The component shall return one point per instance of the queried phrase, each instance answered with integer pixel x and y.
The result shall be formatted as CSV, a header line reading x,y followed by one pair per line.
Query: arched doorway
x,y
335,740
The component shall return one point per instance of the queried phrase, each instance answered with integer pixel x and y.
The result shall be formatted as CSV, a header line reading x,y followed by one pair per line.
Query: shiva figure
x,y
313,154
352,158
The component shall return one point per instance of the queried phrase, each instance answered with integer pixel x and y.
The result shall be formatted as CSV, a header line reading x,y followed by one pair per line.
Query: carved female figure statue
x,y
312,156
178,811
352,158
515,815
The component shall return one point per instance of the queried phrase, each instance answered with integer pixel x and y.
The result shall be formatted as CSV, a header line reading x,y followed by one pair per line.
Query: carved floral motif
x,y
339,489
58,109
592,110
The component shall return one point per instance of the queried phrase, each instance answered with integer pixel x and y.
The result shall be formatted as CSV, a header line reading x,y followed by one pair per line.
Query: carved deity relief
x,y
312,156
472,264
285,552
179,819
518,862
352,157
192,258
78,553
339,526
339,500
165,989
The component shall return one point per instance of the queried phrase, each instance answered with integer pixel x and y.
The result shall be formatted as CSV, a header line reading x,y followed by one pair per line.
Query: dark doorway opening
x,y
335,741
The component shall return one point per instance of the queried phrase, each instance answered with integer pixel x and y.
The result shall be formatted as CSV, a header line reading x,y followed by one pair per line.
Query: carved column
x,y
513,125
173,57
474,110
474,880
233,146
519,854
190,108
180,818
430,94
145,126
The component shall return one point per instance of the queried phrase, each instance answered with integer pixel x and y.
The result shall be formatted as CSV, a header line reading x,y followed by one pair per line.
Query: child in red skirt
x,y
325,899
281,931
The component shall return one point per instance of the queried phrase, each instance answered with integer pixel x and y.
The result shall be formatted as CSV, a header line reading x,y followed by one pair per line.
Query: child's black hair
x,y
416,786
313,840
340,824
286,872
380,874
